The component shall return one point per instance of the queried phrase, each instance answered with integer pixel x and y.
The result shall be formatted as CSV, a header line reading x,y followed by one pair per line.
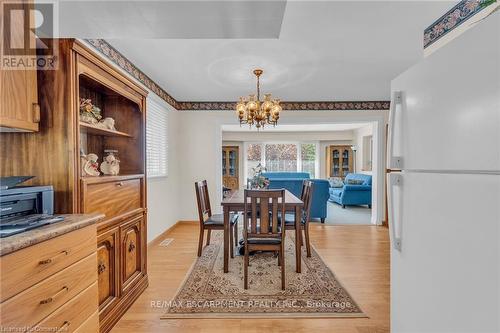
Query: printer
x,y
24,208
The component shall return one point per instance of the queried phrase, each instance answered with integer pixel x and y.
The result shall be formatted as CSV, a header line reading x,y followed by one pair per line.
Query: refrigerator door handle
x,y
393,162
395,221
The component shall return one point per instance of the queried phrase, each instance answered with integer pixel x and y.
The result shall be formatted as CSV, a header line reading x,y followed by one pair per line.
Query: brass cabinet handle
x,y
101,268
53,297
64,326
131,247
49,260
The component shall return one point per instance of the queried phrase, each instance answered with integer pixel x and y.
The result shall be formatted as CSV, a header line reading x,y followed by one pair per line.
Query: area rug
x,y
208,292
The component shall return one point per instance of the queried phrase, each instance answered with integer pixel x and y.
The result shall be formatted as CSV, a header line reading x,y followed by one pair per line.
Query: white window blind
x,y
156,139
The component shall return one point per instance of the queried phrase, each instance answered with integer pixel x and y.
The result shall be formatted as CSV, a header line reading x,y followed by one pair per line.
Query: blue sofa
x,y
292,181
353,194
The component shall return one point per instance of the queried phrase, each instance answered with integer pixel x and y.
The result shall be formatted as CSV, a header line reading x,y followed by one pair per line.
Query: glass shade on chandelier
x,y
253,111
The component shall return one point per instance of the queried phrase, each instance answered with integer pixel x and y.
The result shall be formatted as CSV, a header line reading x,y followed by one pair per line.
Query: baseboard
x,y
155,241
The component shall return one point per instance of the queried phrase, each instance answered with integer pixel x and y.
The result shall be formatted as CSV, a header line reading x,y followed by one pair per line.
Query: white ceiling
x,y
336,50
162,19
297,128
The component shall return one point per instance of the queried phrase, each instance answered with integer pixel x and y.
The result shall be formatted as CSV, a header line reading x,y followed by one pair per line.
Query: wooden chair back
x,y
306,197
204,210
261,213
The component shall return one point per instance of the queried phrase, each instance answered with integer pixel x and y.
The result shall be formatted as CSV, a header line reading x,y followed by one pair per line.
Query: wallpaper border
x,y
457,15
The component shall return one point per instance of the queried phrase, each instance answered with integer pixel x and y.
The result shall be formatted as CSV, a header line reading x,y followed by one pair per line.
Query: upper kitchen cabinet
x,y
19,109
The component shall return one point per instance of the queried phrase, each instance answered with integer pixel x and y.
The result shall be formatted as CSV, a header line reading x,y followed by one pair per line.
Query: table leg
x,y
226,239
298,218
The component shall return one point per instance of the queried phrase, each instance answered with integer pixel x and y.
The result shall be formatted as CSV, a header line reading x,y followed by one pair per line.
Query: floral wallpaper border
x,y
108,51
460,13
119,59
292,106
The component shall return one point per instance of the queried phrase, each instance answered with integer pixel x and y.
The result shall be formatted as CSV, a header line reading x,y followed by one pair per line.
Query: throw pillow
x,y
355,181
336,182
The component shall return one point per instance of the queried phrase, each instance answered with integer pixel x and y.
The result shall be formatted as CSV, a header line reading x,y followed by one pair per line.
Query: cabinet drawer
x,y
73,314
32,305
90,325
31,265
113,197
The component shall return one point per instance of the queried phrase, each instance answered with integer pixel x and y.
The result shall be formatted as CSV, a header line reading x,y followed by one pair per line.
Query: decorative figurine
x,y
107,123
90,165
111,164
89,113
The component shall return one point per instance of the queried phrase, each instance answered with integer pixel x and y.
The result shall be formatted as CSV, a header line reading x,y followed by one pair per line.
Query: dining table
x,y
235,202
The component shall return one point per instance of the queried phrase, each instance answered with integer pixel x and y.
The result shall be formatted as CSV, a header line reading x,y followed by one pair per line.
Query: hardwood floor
x,y
358,255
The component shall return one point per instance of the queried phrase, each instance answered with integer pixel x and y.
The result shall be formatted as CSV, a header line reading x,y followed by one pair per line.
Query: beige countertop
x,y
71,222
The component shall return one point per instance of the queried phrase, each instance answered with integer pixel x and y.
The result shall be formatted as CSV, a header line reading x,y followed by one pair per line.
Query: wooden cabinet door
x,y
107,269
18,88
133,251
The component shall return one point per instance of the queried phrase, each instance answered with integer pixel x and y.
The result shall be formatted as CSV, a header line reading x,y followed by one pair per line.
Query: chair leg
x,y
282,255
322,220
279,258
209,232
200,240
301,238
245,268
308,245
231,242
236,240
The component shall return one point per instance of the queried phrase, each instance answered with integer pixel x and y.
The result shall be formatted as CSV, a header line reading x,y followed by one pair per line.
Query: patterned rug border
x,y
283,315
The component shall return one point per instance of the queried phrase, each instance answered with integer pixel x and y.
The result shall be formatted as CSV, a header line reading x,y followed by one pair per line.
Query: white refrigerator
x,y
444,187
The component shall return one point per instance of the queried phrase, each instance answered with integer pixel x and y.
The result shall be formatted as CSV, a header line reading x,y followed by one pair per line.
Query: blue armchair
x,y
292,181
353,194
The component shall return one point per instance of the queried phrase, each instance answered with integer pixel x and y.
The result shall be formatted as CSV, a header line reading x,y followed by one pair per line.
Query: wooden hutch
x,y
53,156
339,161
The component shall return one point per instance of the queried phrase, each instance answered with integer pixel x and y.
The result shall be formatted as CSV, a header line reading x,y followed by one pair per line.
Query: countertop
x,y
71,222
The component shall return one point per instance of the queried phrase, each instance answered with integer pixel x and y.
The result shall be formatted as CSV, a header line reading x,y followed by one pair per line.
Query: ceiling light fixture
x,y
254,112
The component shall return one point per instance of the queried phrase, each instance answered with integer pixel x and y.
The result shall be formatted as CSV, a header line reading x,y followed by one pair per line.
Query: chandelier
x,y
253,111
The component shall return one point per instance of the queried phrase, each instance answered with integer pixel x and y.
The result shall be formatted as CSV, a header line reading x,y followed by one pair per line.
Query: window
x,y
254,157
280,156
308,158
156,139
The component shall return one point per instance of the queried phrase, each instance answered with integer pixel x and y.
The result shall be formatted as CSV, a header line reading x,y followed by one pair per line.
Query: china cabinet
x,y
339,160
230,165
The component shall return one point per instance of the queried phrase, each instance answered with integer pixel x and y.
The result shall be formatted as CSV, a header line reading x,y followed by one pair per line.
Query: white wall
x,y
359,134
200,140
163,198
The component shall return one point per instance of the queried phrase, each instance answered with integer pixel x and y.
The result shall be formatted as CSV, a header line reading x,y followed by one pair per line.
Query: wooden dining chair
x,y
261,232
306,197
211,221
